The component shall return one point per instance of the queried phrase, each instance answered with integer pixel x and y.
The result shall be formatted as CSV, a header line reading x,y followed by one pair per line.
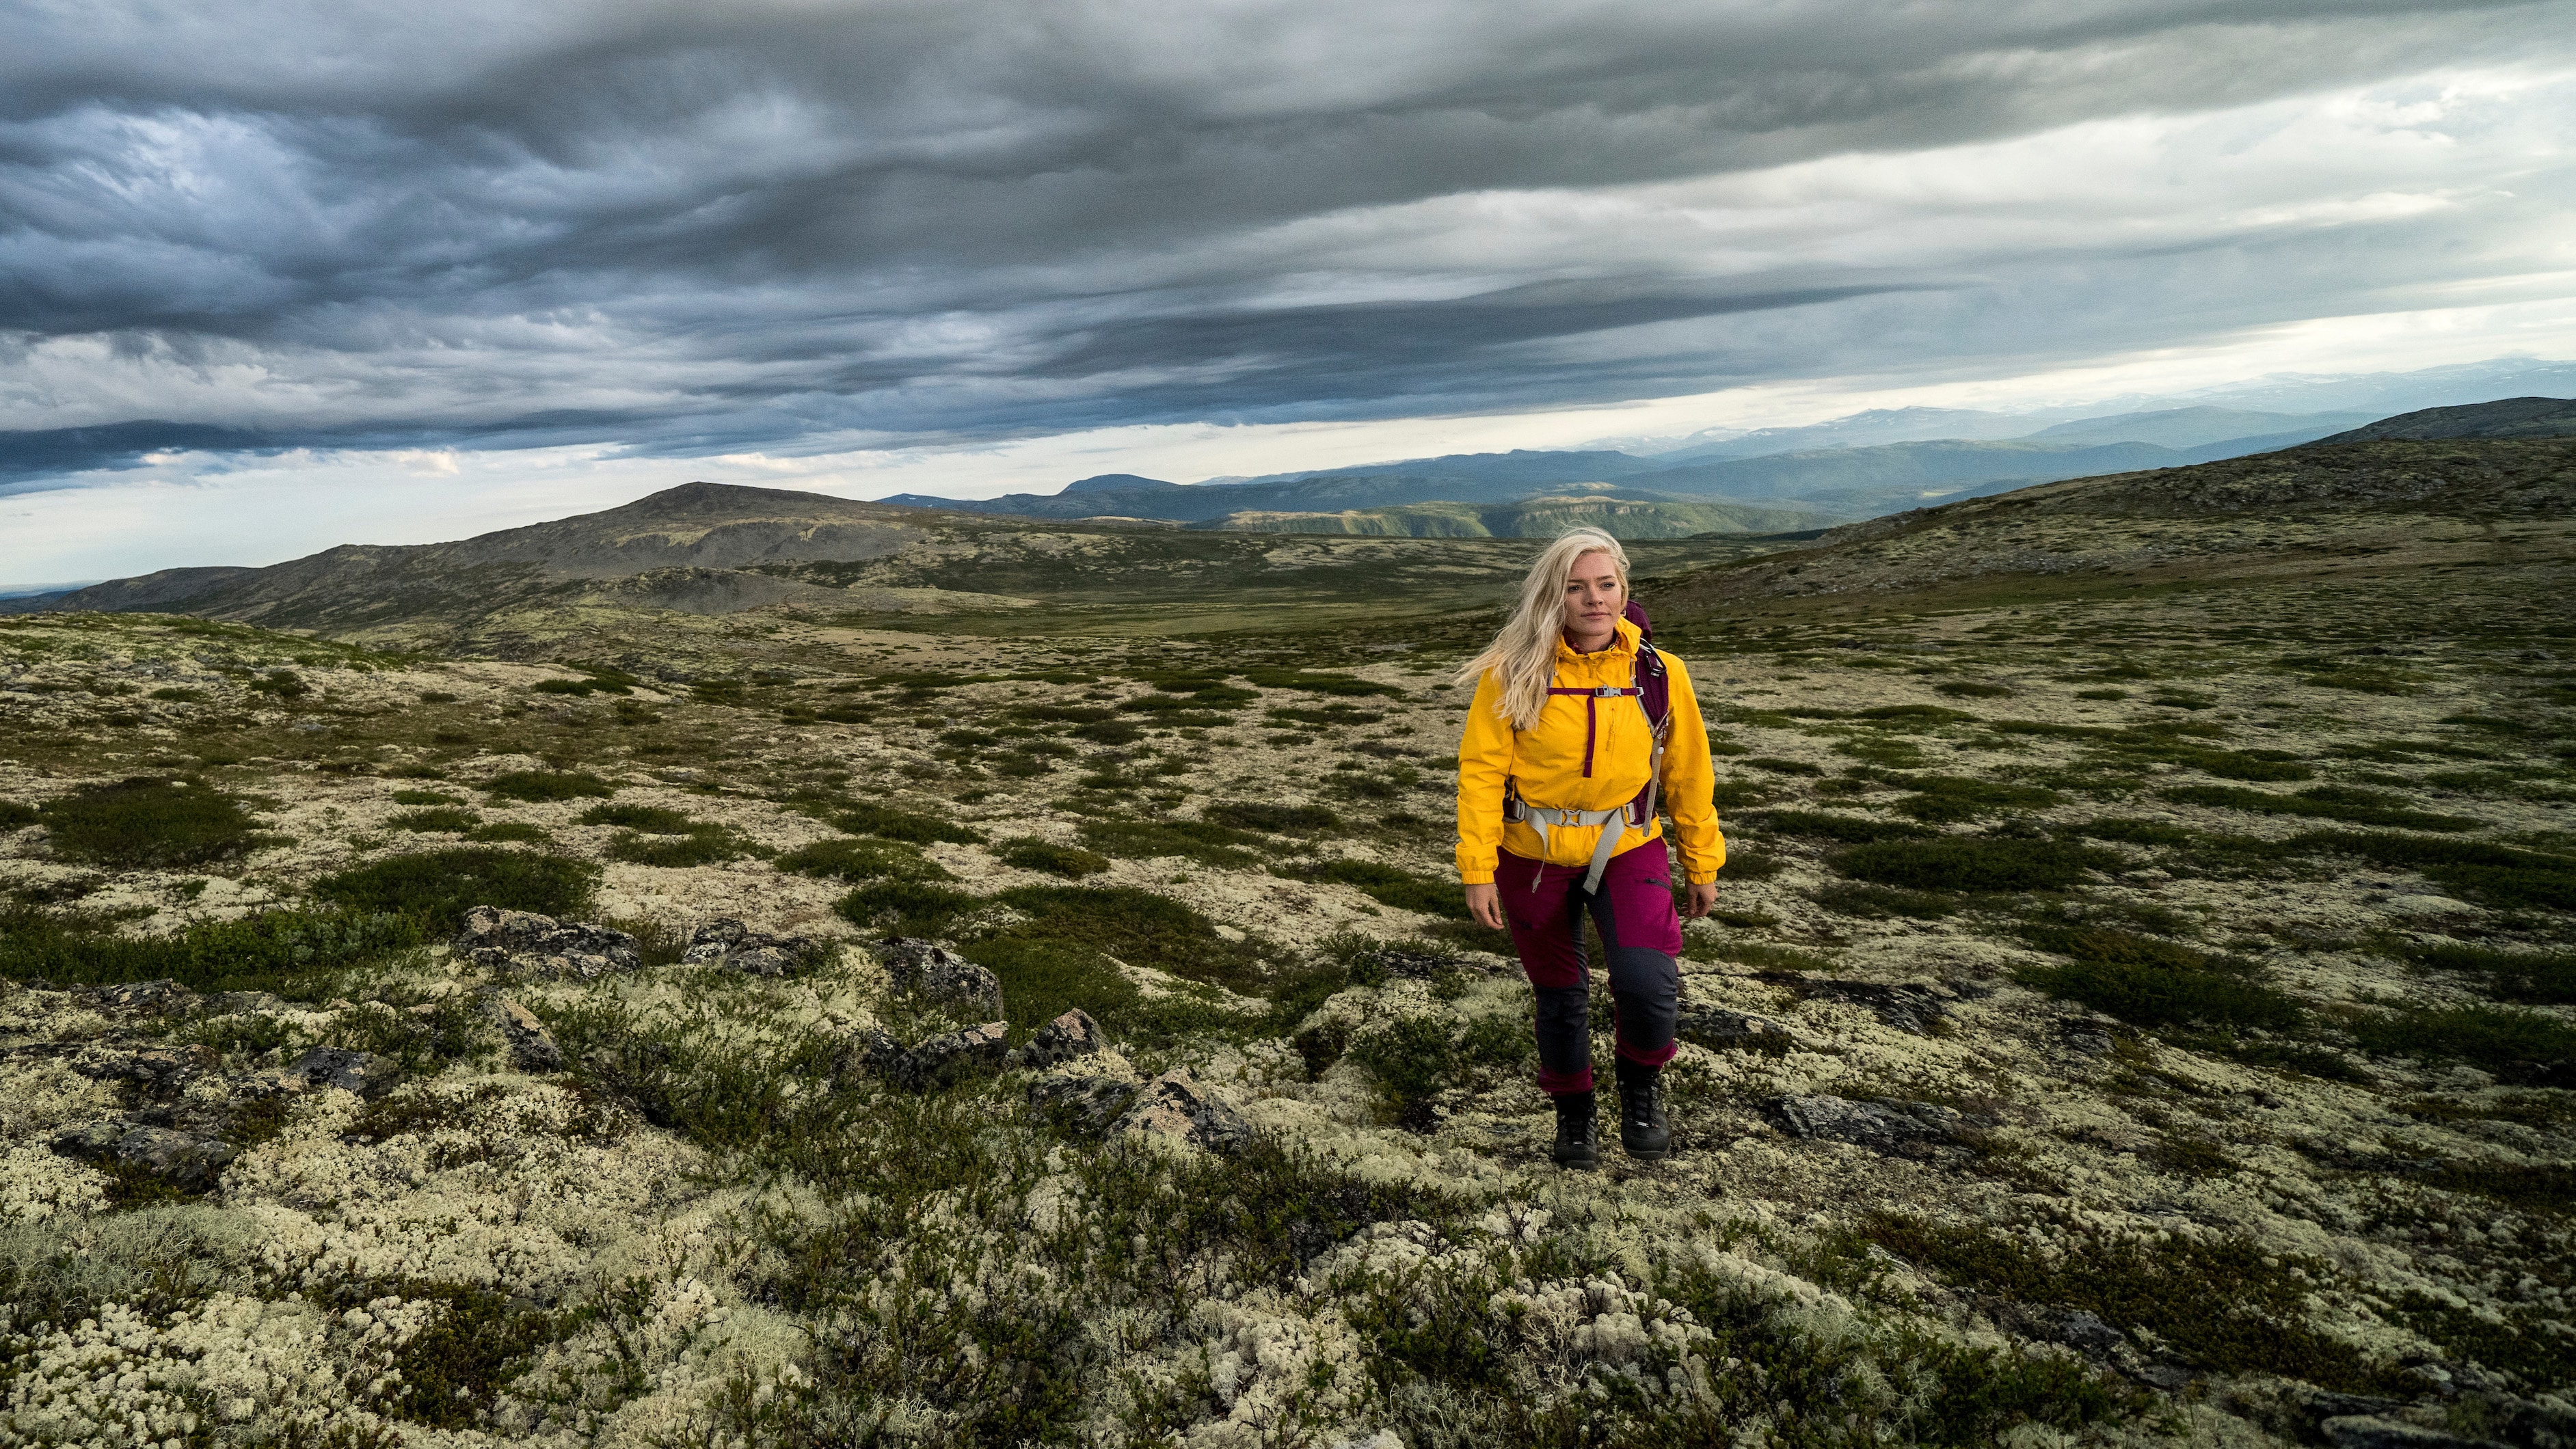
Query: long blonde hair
x,y
1523,656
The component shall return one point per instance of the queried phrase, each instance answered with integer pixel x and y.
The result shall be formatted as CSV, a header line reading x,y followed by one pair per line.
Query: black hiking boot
x,y
1642,1129
1578,1144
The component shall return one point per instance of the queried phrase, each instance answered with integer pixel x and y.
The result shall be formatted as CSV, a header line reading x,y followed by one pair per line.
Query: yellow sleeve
x,y
1484,763
1690,782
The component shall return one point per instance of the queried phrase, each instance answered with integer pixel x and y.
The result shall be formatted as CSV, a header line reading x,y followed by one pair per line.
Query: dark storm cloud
x,y
780,227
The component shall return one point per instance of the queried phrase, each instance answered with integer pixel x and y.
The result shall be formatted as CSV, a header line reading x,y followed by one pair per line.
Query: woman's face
x,y
1593,598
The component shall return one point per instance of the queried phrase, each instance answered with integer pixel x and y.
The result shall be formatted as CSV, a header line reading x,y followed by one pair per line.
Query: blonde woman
x,y
1579,729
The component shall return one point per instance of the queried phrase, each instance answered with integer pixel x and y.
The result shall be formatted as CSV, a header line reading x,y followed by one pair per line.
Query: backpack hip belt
x,y
1652,689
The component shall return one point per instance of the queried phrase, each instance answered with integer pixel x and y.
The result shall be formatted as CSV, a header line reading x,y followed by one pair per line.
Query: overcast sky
x,y
395,272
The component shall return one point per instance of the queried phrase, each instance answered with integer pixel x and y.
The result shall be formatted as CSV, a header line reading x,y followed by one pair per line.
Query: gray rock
x,y
729,943
159,1070
364,1073
711,940
2368,1431
944,1061
1721,1030
869,1049
2084,1332
497,940
181,1159
940,976
1071,1035
532,1047
1176,1107
1905,1128
1914,1009
1084,1103
158,998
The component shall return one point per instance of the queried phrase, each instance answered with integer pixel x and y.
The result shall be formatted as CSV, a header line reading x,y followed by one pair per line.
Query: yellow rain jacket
x,y
1549,763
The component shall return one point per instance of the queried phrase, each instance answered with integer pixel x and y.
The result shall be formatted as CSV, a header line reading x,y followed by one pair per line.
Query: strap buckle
x,y
1611,693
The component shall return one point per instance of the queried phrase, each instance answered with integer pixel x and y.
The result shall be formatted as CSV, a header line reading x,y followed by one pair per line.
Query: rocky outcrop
x,y
525,943
1176,1108
364,1073
936,976
944,1061
1917,1010
183,1160
1886,1125
532,1048
729,943
1067,1038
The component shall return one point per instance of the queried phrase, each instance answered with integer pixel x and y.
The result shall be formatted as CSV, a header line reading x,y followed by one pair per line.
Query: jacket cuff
x,y
1703,877
1469,877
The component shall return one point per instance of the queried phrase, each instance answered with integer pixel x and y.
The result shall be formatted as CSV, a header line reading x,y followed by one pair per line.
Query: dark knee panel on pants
x,y
1647,987
1564,1027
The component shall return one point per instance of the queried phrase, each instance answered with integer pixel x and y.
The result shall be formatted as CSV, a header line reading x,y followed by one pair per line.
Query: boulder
x,y
1086,1103
364,1073
156,998
1886,1125
869,1049
498,940
532,1047
729,943
158,1070
940,977
945,1060
183,1160
1175,1107
1069,1036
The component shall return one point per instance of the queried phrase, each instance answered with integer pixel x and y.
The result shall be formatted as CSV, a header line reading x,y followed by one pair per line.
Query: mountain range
x,y
1782,479
710,549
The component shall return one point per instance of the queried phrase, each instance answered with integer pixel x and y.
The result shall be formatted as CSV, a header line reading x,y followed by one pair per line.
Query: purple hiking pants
x,y
1634,909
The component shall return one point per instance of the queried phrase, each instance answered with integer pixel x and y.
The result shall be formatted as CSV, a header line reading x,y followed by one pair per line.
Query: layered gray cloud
x,y
790,228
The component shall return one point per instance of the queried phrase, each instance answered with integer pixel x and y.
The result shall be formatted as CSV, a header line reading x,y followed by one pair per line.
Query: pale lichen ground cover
x,y
712,1227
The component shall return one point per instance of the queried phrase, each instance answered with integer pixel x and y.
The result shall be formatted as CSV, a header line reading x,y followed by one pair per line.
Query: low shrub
x,y
863,860
703,845
2323,802
1199,840
1948,799
1401,889
1849,899
1276,819
439,887
1069,861
2542,977
2230,1304
1830,825
906,907
271,951
522,831
2148,982
650,819
1971,689
535,785
1343,685
443,819
2516,1045
2497,874
14,816
1972,863
148,823
886,822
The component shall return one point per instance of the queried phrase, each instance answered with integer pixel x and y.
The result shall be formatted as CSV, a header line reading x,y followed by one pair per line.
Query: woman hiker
x,y
1579,728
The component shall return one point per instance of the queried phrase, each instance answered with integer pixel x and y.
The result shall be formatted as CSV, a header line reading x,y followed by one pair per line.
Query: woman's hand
x,y
1703,899
1485,903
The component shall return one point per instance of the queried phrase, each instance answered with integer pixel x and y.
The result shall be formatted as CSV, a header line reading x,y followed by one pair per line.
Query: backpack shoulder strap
x,y
1654,687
